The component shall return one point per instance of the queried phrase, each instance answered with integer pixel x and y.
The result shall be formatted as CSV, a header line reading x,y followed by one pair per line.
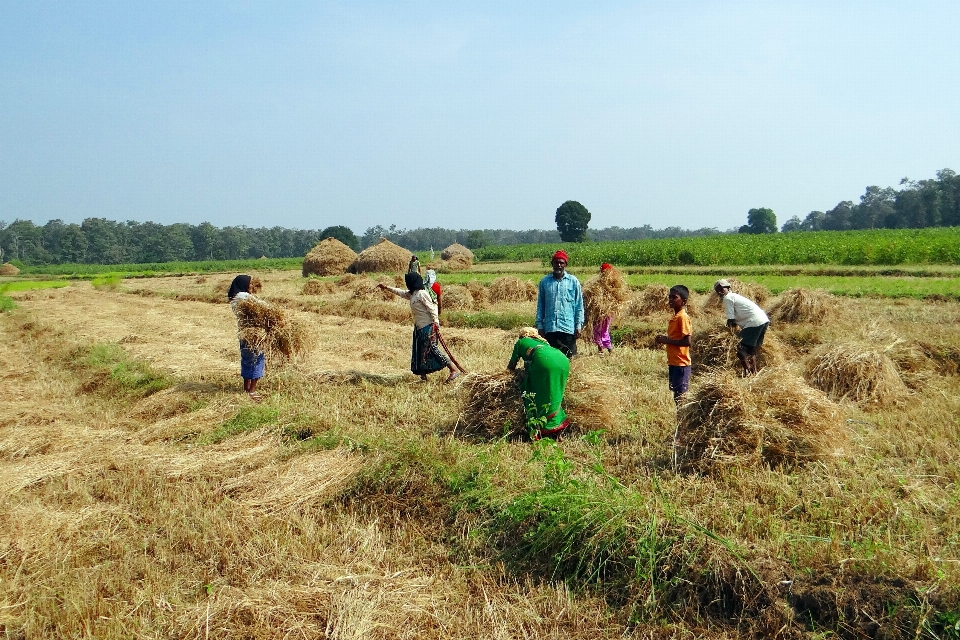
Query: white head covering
x,y
430,278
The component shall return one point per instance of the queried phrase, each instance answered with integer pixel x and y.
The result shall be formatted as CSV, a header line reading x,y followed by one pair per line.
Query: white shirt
x,y
423,308
744,311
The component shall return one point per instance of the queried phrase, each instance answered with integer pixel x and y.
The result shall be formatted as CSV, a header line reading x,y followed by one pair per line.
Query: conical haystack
x,y
7,269
456,249
383,257
329,258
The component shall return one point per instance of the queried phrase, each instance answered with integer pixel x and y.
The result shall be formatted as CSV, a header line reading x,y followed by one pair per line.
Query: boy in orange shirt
x,y
677,340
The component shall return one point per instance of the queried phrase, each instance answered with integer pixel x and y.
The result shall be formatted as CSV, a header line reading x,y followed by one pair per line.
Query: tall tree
x,y
343,234
572,220
760,220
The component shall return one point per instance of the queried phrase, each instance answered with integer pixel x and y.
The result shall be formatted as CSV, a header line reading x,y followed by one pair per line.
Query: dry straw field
x,y
143,496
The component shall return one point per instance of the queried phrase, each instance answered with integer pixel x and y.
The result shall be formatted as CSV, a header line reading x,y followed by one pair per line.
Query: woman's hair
x,y
240,284
530,332
413,281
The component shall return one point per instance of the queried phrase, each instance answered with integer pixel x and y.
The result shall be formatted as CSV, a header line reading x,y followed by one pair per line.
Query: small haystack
x,y
716,348
512,289
492,407
383,257
479,292
7,269
648,301
589,400
365,288
314,287
772,419
457,298
456,249
805,305
329,258
857,371
605,295
267,329
457,262
756,292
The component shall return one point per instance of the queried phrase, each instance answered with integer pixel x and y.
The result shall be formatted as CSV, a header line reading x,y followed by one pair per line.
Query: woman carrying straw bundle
x,y
613,291
426,356
252,364
545,373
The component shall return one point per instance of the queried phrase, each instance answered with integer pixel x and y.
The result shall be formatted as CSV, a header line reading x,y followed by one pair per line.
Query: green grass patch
x,y
30,285
247,419
7,304
106,283
113,372
89,271
488,319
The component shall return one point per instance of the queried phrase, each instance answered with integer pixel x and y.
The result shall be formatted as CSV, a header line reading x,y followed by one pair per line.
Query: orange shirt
x,y
678,327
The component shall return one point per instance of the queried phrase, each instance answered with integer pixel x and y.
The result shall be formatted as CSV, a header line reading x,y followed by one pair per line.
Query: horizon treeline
x,y
916,204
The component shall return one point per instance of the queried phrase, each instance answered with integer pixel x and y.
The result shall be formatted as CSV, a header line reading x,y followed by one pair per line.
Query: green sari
x,y
545,378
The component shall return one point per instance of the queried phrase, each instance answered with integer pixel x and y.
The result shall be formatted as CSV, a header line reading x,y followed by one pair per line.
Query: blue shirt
x,y
560,304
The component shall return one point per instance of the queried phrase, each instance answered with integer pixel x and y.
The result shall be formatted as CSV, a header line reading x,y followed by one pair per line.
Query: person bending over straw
x,y
253,364
545,373
751,319
426,356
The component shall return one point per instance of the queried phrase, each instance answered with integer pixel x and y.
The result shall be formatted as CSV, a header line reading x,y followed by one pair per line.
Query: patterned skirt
x,y
427,357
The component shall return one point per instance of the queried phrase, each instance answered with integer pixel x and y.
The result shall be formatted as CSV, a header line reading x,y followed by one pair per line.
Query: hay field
x,y
350,503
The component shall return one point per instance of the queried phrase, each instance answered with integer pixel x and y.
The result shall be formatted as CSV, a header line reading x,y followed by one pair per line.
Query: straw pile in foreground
x,y
512,289
716,348
267,329
493,406
381,258
329,258
456,249
7,269
855,371
605,295
804,305
772,419
649,300
457,298
315,287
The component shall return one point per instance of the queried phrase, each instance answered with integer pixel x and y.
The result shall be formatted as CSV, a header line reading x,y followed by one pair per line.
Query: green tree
x,y
477,239
761,220
793,224
343,234
572,220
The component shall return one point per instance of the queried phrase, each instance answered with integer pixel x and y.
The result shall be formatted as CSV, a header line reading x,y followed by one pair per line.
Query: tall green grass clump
x,y
114,372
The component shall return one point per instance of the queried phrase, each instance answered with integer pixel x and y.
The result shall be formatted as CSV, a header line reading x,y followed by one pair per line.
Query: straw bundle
x,y
365,288
479,293
7,269
717,348
512,289
756,292
457,298
771,419
318,287
493,406
382,257
267,329
804,305
860,372
347,280
605,295
456,249
588,399
649,300
457,262
329,258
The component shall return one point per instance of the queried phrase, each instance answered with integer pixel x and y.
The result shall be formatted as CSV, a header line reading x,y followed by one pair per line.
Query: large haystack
x,y
716,348
329,258
457,262
805,305
479,292
772,419
7,269
457,298
267,329
512,289
383,257
604,295
456,249
650,300
859,371
756,292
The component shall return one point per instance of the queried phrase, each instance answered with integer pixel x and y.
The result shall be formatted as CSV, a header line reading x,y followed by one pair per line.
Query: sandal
x,y
256,397
453,376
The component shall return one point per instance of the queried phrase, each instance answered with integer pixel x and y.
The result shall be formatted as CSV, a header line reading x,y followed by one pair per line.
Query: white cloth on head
x,y
744,311
430,278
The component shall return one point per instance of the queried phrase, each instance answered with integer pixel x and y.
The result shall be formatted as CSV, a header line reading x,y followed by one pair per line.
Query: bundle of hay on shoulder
x,y
329,258
267,329
7,269
604,295
512,289
479,293
772,419
456,249
805,305
716,348
648,301
315,287
457,262
756,292
383,257
857,371
457,298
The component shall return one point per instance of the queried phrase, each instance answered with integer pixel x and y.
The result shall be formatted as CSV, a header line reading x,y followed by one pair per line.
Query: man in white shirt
x,y
751,319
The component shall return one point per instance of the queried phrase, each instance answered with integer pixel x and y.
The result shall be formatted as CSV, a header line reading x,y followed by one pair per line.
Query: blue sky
x,y
468,114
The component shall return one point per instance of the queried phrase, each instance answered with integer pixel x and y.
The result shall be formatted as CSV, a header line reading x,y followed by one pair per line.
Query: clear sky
x,y
469,114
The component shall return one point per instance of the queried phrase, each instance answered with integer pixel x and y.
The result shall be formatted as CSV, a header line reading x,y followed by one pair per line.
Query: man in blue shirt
x,y
560,307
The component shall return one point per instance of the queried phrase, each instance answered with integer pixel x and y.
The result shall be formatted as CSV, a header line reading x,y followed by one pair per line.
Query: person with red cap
x,y
560,306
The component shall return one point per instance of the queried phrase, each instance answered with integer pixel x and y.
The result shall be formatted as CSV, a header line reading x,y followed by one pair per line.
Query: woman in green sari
x,y
545,372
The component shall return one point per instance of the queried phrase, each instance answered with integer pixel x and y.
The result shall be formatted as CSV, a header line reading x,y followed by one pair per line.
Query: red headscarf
x,y
562,255
605,266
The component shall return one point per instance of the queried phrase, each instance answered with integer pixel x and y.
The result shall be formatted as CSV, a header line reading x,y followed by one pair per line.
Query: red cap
x,y
606,265
562,255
